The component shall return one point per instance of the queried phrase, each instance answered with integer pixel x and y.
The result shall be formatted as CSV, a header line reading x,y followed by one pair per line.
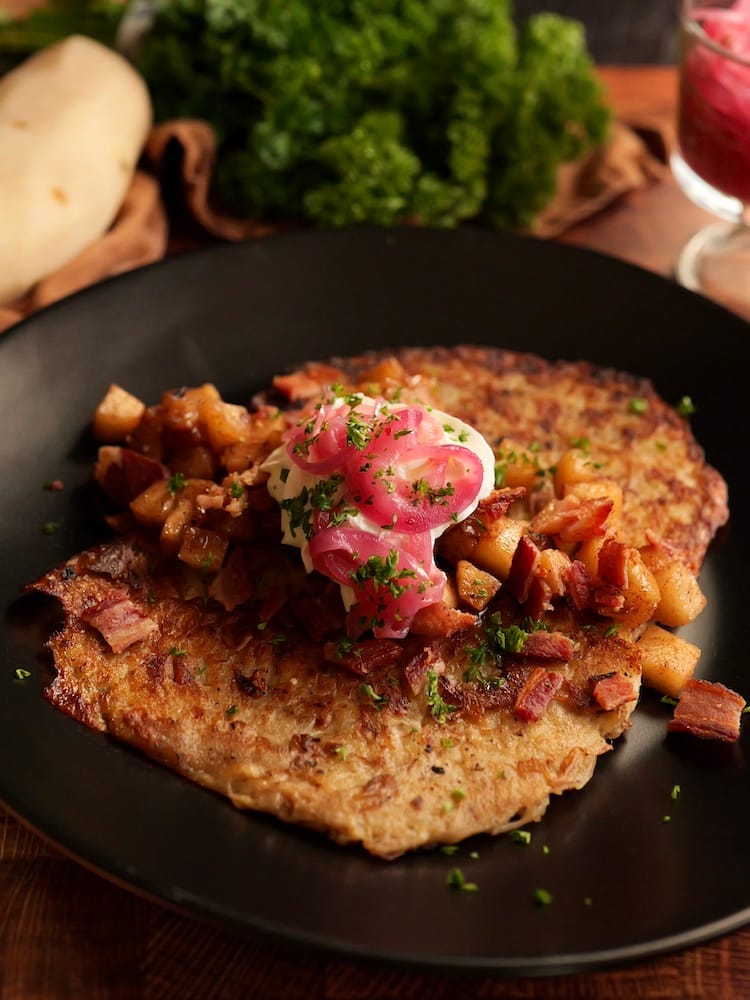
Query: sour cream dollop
x,y
366,486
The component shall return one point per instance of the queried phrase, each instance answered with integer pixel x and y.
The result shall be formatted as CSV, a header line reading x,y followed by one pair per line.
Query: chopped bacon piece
x,y
417,668
539,599
572,519
123,474
300,387
709,711
523,569
438,620
578,585
613,563
496,504
120,621
606,599
614,690
547,646
536,694
361,657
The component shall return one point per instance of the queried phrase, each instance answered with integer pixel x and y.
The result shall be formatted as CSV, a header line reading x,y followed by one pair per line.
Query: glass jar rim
x,y
691,24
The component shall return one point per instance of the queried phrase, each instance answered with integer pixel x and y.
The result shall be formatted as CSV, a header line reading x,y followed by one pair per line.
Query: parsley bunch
x,y
342,112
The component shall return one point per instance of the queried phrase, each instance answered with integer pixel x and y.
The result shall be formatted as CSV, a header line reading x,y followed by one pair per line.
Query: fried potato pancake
x,y
258,710
265,720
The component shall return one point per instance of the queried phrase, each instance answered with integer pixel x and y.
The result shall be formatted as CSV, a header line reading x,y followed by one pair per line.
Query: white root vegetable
x,y
73,121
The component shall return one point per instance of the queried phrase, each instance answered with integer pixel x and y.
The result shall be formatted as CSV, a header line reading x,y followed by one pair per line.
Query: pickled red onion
x,y
371,484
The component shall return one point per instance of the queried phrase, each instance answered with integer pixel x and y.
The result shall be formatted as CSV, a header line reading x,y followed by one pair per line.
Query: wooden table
x,y
66,933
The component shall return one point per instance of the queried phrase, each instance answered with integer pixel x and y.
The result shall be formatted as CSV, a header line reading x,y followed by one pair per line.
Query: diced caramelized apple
x,y
153,505
588,553
475,587
198,462
516,466
571,469
681,599
641,593
553,564
202,548
225,424
494,549
175,524
597,489
118,415
668,661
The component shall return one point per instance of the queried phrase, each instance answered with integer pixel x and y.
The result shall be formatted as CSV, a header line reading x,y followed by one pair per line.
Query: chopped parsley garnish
x,y
449,849
422,490
675,793
542,897
378,700
383,573
232,710
458,794
686,407
237,490
439,708
50,527
340,751
22,673
456,880
668,700
582,443
358,431
345,645
176,651
176,483
612,630
520,837
638,404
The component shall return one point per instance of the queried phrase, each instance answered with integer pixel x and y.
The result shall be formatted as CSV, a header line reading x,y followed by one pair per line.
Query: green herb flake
x,y
668,700
611,631
456,880
638,404
50,527
22,673
685,407
667,819
545,848
176,651
236,490
439,708
675,793
542,897
176,483
378,700
458,794
522,837
449,849
232,710
341,752
447,743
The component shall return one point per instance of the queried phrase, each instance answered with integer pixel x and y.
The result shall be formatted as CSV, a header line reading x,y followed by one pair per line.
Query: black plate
x,y
625,883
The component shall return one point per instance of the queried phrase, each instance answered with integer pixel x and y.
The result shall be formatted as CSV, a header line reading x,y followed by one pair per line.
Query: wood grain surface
x,y
66,934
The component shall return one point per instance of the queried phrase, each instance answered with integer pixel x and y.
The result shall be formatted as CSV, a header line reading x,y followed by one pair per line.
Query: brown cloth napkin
x,y
175,183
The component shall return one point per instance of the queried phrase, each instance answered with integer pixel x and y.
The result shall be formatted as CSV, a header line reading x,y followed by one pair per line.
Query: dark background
x,y
619,31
